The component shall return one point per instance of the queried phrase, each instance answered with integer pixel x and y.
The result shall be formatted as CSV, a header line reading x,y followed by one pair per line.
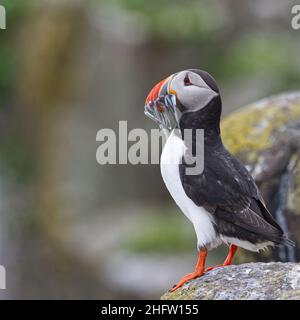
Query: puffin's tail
x,y
287,242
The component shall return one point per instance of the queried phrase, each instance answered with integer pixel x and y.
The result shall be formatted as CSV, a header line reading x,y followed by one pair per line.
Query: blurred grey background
x,y
70,228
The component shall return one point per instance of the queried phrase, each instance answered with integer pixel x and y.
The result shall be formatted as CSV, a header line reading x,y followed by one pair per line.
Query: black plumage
x,y
223,202
225,188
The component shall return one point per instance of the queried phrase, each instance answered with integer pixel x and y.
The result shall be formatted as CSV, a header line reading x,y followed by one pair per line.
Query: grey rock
x,y
250,281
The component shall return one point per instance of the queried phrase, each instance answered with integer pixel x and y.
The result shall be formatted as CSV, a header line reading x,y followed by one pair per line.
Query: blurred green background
x,y
70,228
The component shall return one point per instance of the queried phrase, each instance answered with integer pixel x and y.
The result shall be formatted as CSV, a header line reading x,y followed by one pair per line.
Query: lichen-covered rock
x,y
265,136
251,129
249,281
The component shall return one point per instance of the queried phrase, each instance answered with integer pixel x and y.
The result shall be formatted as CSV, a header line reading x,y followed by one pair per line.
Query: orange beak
x,y
157,89
160,105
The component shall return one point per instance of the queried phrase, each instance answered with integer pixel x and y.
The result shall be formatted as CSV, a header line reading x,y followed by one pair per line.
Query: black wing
x,y
227,190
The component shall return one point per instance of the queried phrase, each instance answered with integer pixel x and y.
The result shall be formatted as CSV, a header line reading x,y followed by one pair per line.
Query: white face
x,y
191,90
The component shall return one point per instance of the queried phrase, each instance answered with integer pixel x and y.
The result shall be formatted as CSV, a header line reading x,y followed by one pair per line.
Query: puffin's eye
x,y
187,81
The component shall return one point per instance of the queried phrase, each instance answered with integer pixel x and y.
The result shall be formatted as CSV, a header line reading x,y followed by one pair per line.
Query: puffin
x,y
222,201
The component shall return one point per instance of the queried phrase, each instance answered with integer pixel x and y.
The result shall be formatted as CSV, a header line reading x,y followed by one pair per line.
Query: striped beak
x,y
160,105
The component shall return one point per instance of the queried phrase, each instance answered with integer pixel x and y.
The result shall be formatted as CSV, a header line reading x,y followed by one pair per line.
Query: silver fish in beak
x,y
163,111
160,105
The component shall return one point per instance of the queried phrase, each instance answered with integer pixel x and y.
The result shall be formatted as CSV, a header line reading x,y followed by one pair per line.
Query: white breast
x,y
202,220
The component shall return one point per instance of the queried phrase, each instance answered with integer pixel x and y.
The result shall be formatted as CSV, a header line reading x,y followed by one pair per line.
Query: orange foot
x,y
228,260
199,271
214,267
185,279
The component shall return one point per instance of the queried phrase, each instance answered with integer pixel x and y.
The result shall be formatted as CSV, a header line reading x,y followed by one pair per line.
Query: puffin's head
x,y
185,91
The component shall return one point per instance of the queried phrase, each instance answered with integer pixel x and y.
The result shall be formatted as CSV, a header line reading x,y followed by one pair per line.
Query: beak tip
x,y
157,89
